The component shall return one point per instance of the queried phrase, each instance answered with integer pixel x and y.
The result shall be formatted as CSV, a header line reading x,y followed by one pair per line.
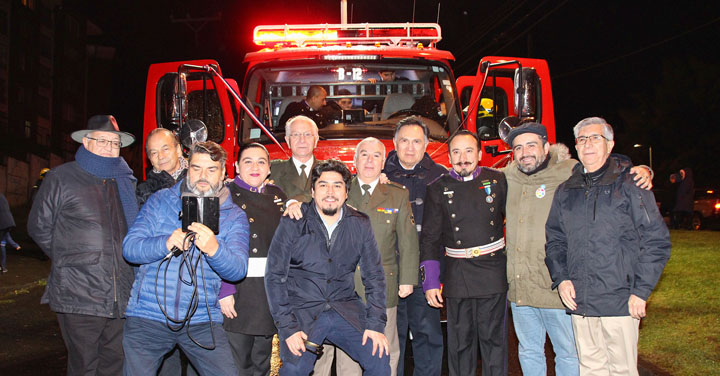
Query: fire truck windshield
x,y
362,98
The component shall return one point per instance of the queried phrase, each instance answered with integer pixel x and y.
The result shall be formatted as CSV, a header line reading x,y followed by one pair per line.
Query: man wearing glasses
x,y
79,218
533,177
292,175
607,245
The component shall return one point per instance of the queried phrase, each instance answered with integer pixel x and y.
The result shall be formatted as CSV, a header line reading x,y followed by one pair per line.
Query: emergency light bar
x,y
355,34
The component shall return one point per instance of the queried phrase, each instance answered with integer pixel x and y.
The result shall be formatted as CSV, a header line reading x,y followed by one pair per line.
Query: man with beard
x,y
309,280
391,218
538,169
463,223
174,299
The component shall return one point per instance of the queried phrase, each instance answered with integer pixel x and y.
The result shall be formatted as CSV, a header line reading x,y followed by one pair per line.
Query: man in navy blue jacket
x,y
309,280
174,300
607,246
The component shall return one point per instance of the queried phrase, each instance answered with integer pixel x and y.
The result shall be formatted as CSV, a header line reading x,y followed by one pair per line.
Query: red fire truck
x,y
347,61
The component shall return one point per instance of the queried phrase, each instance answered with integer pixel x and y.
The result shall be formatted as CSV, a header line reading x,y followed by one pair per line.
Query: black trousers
x,y
94,344
251,353
477,321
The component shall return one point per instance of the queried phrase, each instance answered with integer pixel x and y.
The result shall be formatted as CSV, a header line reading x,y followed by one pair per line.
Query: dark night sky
x,y
649,67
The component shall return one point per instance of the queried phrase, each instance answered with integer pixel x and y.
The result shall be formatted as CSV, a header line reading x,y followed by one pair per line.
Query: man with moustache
x,y
168,165
165,295
309,280
607,246
292,175
410,166
533,177
463,224
391,218
249,327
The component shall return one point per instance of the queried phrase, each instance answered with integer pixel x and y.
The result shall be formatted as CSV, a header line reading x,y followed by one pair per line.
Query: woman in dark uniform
x,y
248,323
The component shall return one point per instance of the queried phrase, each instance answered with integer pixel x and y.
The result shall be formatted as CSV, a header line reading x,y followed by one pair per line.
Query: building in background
x,y
52,78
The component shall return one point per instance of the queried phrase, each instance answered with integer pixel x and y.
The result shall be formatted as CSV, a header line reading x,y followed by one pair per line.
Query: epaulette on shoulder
x,y
395,185
351,207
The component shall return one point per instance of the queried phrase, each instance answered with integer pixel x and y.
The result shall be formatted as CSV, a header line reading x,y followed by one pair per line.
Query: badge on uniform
x,y
488,190
388,210
540,193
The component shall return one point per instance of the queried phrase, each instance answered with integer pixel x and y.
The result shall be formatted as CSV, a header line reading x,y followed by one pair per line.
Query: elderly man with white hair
x,y
607,246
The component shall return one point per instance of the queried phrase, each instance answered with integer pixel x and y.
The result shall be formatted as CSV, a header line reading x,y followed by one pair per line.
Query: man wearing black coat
x,y
607,246
411,166
79,218
310,107
463,226
168,165
684,199
310,285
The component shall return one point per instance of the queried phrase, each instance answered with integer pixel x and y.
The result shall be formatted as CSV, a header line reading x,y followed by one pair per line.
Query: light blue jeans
x,y
531,324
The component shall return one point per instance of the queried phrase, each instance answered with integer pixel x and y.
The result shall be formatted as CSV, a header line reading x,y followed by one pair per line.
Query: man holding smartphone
x,y
174,297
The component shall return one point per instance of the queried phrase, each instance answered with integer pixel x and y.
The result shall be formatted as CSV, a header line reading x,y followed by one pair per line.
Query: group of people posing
x,y
344,268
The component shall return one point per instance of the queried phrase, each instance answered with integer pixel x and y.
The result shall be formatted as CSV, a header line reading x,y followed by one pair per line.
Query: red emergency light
x,y
348,34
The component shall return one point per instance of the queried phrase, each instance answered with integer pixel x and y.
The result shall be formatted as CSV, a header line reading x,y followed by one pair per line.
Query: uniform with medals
x,y
463,224
250,333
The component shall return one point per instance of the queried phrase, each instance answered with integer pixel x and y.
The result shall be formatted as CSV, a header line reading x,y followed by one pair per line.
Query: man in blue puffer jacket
x,y
164,292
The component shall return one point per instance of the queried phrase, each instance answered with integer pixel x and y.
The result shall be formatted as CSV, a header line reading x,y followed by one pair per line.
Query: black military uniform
x,y
250,333
463,223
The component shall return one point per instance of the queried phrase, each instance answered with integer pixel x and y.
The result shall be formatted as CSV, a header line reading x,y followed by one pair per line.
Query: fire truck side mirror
x,y
179,102
526,84
506,125
194,130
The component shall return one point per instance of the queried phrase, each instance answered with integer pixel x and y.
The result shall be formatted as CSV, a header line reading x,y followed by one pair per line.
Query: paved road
x,y
30,340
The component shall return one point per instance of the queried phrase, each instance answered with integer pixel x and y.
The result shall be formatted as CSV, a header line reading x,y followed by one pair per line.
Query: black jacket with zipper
x,y
78,221
607,236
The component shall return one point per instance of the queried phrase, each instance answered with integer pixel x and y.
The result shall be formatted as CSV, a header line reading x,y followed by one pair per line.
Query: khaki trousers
x,y
346,366
606,345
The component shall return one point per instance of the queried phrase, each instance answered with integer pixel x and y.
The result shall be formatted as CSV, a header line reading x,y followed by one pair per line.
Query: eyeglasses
x,y
101,142
298,135
593,138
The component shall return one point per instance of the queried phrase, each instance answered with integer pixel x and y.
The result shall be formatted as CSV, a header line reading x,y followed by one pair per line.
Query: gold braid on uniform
x,y
275,362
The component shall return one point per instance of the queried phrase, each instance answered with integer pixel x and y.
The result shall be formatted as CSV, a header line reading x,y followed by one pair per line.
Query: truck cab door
x,y
505,93
207,100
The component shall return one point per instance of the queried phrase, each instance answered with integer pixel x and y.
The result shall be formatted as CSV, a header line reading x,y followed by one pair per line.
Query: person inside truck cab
x,y
376,105
345,103
310,106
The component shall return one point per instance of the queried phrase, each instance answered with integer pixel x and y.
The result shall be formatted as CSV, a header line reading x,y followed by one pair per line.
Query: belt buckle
x,y
476,252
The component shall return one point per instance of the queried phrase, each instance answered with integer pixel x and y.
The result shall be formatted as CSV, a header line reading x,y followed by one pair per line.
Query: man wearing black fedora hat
x,y
79,218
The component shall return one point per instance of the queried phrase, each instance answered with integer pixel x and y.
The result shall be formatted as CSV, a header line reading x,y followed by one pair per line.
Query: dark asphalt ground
x,y
30,340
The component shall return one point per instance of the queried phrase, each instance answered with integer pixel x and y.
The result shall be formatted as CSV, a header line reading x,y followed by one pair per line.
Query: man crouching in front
x,y
309,280
174,297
